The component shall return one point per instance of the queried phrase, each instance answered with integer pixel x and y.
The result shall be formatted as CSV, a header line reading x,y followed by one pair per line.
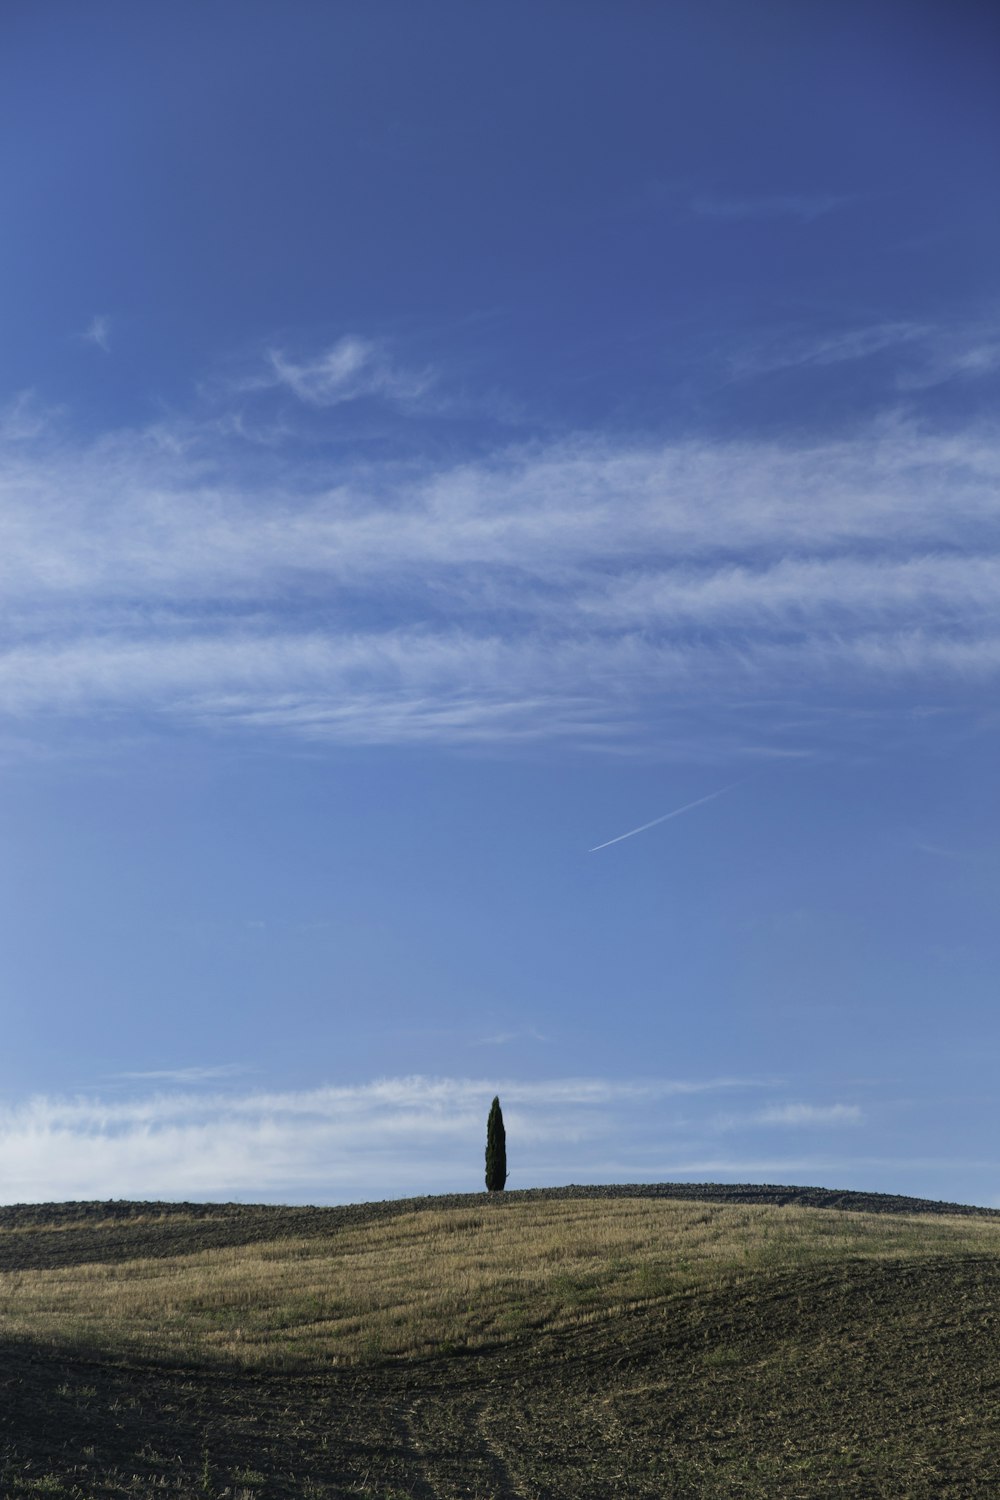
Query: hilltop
x,y
119,1228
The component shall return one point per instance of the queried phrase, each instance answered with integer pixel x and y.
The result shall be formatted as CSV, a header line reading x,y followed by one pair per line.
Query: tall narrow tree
x,y
496,1150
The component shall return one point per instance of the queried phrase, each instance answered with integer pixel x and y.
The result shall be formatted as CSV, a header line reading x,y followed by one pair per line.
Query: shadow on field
x,y
865,1380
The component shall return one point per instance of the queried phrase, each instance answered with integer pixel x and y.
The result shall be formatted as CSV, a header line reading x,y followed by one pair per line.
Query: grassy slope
x,y
548,1344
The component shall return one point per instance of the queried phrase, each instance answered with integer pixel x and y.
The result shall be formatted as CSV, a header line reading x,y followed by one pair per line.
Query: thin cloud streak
x,y
195,1074
842,346
810,1114
665,818
392,1137
504,1038
922,355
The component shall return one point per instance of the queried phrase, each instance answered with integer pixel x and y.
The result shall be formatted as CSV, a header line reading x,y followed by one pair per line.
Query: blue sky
x,y
434,442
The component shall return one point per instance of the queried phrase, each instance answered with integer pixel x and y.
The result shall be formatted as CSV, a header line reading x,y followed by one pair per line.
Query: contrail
x,y
666,817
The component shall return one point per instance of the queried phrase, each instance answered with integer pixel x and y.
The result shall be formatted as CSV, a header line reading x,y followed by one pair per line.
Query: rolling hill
x,y
649,1341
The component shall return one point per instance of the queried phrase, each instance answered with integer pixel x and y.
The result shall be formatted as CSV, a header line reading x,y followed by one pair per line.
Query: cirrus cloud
x,y
597,589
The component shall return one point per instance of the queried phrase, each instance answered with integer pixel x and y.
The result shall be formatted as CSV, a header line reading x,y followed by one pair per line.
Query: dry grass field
x,y
452,1279
530,1347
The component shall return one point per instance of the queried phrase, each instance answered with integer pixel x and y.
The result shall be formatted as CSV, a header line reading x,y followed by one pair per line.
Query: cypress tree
x,y
496,1150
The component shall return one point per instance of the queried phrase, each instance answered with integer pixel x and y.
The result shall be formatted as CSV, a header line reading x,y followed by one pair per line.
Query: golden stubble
x,y
448,1279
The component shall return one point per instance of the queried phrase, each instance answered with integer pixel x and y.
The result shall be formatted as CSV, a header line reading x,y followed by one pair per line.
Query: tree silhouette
x,y
496,1150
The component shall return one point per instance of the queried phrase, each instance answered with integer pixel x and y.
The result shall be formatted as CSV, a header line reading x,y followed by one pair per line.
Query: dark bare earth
x,y
870,1380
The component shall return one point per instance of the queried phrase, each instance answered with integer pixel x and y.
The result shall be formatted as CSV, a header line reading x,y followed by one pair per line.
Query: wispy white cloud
x,y
918,355
888,1174
349,369
791,350
940,851
979,359
393,1136
950,359
830,592
506,1038
585,589
98,331
23,418
194,1074
796,1115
